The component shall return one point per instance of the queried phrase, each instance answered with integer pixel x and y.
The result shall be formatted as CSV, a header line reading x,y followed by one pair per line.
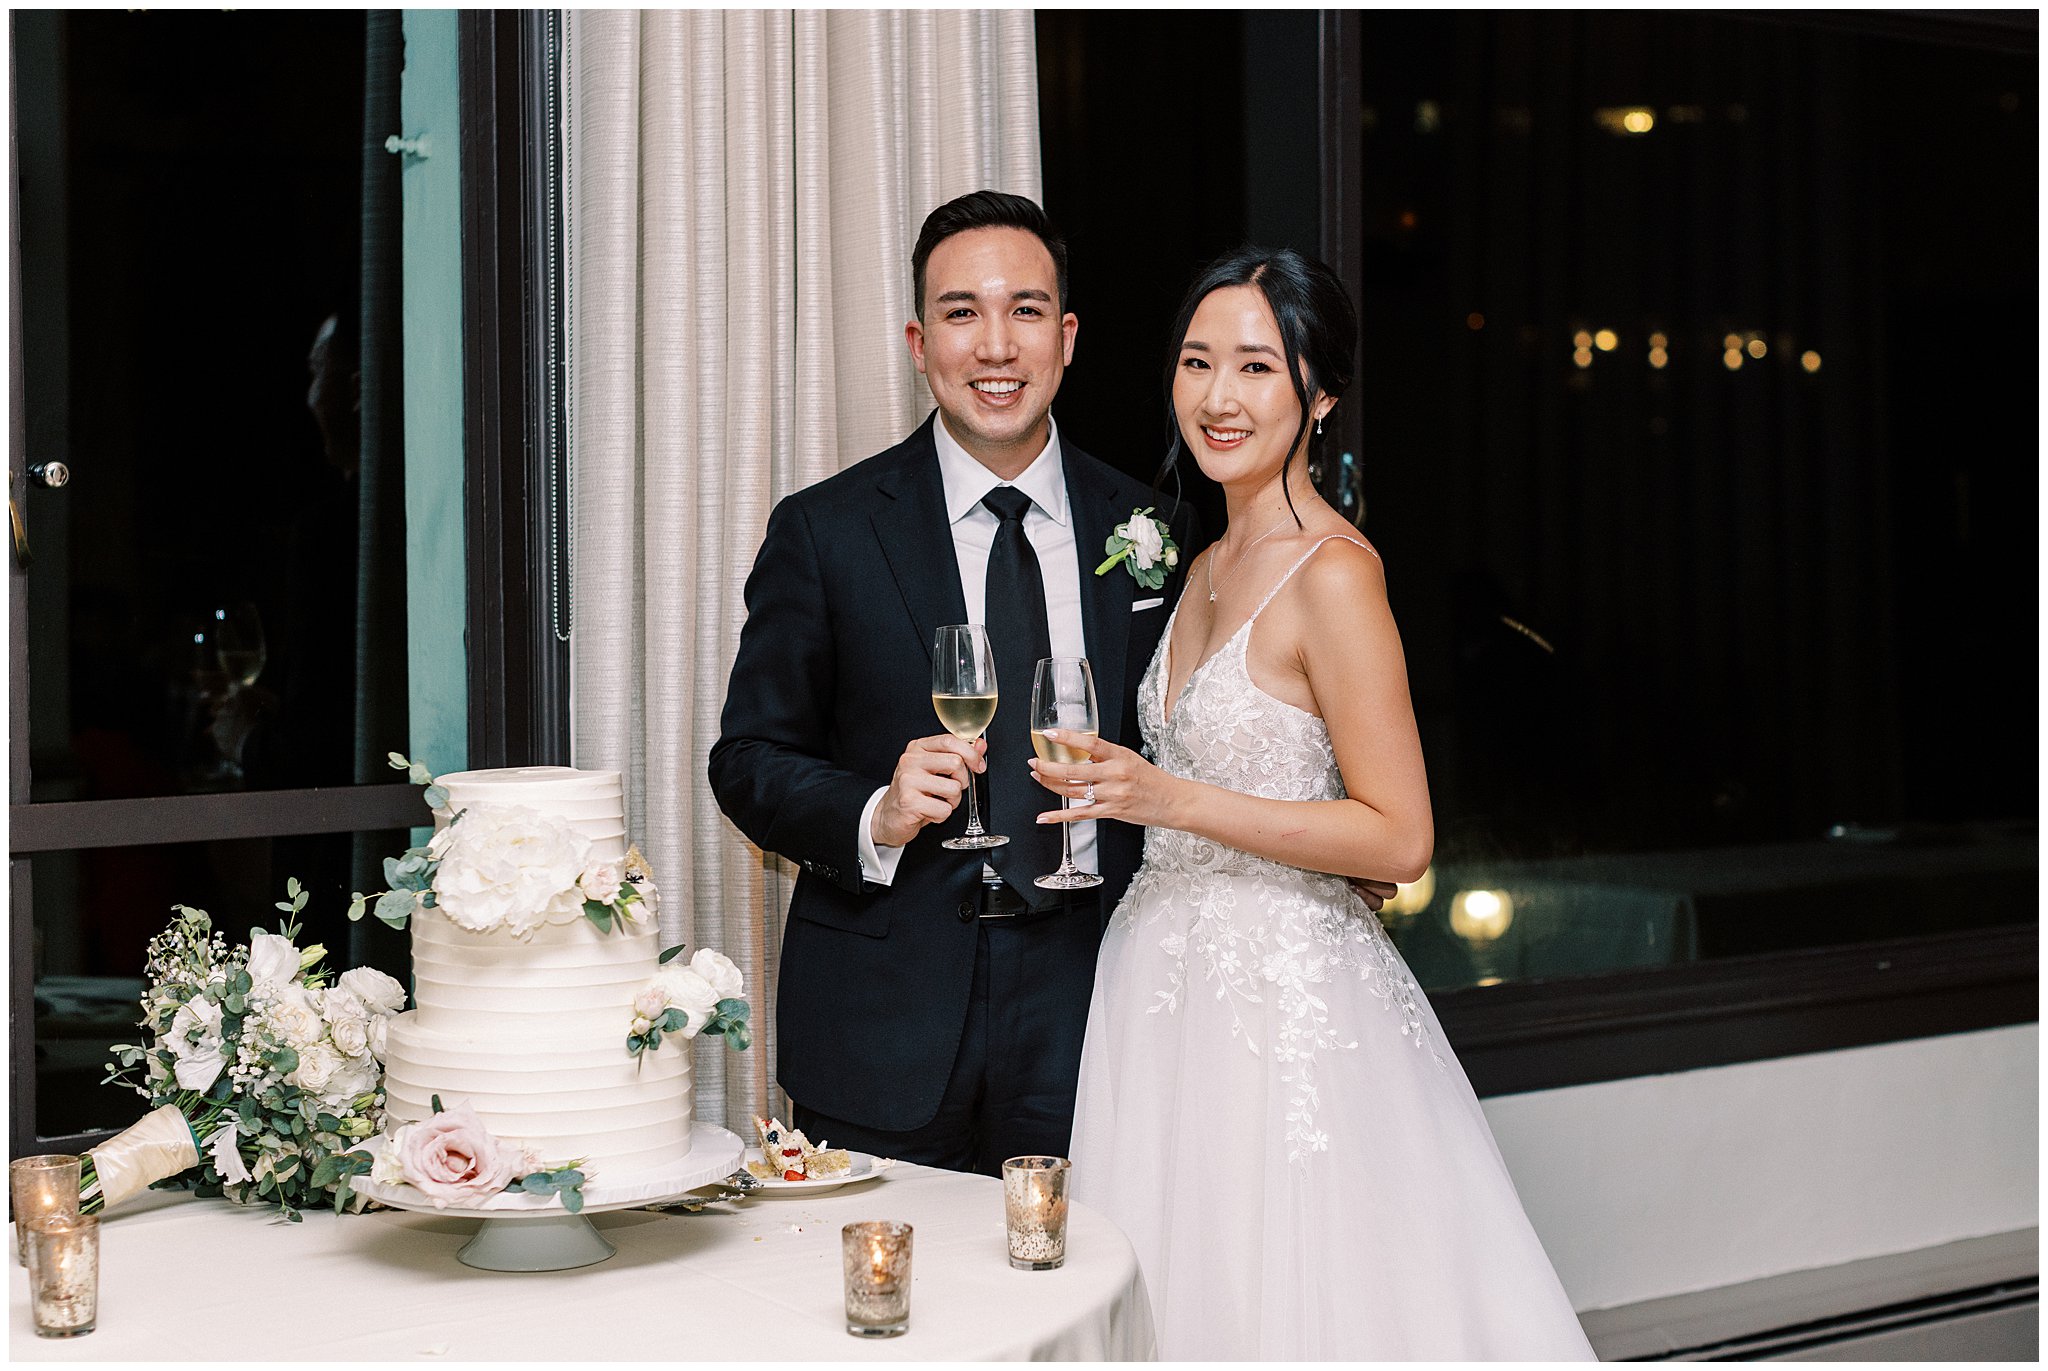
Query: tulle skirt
x,y
1302,1179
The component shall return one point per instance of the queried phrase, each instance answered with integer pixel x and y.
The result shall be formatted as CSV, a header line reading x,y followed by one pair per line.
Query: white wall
x,y
1664,1185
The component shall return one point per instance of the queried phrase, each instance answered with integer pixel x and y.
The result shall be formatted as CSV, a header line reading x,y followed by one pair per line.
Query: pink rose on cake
x,y
502,866
451,1158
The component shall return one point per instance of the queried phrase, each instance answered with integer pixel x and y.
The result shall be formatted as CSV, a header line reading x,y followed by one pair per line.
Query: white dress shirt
x,y
1051,530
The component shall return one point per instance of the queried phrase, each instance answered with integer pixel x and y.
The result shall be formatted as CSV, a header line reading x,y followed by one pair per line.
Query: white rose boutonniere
x,y
1143,545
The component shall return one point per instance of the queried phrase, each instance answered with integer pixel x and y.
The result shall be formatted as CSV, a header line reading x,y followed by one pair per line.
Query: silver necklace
x,y
1210,569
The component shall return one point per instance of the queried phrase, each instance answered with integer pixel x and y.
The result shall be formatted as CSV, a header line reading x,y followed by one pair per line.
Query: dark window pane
x,y
192,309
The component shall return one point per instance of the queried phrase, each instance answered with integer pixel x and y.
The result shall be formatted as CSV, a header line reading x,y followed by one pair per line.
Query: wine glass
x,y
1063,697
238,642
964,695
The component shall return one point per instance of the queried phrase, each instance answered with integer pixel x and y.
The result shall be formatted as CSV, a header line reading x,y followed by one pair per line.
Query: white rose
x,y
377,1035
691,993
378,992
318,1066
600,881
718,970
195,1042
641,1025
1172,558
1145,541
348,1026
273,961
294,1016
508,867
650,1002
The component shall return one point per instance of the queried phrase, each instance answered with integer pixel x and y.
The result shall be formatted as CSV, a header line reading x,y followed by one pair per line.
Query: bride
x,y
1267,1105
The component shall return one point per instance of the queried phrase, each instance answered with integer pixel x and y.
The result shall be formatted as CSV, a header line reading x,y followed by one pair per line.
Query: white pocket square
x,y
1153,603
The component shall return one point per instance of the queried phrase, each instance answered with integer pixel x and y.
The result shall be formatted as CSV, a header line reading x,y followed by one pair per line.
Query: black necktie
x,y
1017,637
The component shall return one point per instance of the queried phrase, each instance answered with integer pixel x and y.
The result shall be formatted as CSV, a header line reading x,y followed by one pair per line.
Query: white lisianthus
x,y
508,867
1142,533
649,1003
377,991
195,1041
689,992
719,972
226,1153
1172,558
641,1025
354,1076
600,881
385,1168
273,961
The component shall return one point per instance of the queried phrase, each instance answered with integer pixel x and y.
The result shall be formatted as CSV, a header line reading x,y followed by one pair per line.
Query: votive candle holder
x,y
64,1275
39,1187
876,1256
1035,1211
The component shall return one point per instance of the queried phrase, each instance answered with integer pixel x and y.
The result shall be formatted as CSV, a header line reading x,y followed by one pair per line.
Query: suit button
x,y
967,911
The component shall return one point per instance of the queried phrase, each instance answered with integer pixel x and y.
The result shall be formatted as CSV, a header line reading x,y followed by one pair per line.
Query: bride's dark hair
x,y
1318,332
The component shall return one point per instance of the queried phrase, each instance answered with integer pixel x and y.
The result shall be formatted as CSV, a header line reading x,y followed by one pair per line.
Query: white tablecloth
x,y
186,1279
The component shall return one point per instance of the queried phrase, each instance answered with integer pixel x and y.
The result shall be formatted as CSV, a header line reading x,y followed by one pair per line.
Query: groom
x,y
932,1002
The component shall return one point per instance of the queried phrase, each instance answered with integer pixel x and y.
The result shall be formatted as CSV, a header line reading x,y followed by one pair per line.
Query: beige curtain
x,y
743,191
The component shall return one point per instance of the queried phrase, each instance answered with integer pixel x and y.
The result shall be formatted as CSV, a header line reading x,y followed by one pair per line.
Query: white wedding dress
x,y
1267,1106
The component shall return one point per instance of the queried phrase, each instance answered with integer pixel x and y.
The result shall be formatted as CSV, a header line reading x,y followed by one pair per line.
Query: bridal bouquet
x,y
263,1075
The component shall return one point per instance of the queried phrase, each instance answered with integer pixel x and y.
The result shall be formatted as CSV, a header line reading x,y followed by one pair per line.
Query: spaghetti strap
x,y
1302,562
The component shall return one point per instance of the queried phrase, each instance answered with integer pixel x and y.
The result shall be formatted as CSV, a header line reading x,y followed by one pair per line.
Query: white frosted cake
x,y
531,1030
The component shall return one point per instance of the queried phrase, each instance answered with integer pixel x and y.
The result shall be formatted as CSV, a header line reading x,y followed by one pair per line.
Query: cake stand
x,y
523,1232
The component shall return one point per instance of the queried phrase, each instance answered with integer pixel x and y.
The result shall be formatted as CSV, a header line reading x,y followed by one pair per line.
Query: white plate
x,y
865,1168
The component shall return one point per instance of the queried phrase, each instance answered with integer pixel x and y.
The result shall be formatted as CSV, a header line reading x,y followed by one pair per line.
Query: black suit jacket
x,y
832,679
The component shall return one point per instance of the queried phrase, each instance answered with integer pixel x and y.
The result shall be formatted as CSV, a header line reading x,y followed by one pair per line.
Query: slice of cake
x,y
787,1155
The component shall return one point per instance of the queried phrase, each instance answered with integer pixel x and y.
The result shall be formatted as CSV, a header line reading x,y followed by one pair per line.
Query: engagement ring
x,y
1088,795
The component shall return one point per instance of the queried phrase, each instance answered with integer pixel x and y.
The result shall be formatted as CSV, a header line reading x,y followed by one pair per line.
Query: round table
x,y
757,1280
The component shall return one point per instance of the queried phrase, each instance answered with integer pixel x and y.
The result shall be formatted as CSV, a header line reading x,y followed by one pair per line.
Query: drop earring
x,y
1319,428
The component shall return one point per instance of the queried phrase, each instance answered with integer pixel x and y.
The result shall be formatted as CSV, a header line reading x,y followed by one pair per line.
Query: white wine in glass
x,y
964,697
1063,698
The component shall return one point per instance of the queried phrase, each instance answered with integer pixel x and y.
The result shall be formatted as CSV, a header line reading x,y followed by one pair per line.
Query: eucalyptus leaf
x,y
572,1200
435,1100
599,914
285,1061
327,1123
673,1021
436,797
733,1009
398,763
420,774
394,907
357,903
670,955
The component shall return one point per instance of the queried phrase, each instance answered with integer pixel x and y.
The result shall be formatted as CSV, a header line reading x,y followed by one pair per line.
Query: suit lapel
x,y
917,540
1106,599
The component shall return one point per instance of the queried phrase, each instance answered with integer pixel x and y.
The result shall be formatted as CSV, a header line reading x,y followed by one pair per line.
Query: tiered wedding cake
x,y
531,1030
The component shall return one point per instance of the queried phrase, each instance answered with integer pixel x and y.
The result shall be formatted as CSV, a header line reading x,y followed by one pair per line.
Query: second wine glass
x,y
1063,698
964,695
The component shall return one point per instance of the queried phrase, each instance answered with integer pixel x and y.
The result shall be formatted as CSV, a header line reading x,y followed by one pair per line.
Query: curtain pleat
x,y
744,189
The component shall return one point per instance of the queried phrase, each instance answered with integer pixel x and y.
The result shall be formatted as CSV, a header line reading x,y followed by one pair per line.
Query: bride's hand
x,y
1124,785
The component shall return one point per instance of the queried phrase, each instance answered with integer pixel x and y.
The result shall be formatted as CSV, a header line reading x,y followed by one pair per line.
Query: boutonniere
x,y
1145,548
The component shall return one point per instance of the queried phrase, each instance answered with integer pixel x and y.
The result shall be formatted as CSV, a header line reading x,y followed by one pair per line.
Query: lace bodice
x,y
1263,935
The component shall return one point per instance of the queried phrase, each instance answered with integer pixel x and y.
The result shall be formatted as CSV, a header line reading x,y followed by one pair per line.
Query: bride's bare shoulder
x,y
1345,573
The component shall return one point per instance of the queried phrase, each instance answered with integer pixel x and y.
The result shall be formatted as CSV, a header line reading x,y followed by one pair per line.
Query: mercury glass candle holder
x,y
39,1187
1035,1211
876,1255
64,1274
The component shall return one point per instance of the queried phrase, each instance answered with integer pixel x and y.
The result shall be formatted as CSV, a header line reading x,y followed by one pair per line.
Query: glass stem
x,y
1066,842
973,808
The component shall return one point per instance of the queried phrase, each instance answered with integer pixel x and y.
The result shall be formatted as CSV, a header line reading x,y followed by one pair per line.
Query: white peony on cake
x,y
525,1014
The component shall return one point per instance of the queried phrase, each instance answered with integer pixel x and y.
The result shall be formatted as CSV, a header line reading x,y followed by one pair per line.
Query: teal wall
x,y
438,667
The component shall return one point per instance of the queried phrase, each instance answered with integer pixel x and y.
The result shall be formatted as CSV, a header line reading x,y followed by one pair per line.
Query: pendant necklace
x,y
1210,570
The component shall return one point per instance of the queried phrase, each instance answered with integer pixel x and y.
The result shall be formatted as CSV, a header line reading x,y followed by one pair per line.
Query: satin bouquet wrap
x,y
264,1071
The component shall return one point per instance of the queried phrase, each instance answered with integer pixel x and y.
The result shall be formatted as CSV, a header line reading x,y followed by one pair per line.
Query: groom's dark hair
x,y
985,209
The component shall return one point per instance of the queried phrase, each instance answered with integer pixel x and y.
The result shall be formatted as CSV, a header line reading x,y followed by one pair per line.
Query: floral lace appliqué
x,y
1261,937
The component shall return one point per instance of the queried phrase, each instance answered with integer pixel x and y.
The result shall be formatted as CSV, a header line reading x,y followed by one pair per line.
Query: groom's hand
x,y
930,778
1374,893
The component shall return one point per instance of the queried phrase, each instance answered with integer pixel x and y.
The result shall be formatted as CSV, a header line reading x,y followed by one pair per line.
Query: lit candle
x,y
64,1274
876,1265
1035,1211
40,1187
